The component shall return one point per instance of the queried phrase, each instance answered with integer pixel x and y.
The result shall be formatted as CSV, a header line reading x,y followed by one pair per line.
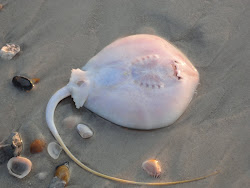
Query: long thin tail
x,y
55,99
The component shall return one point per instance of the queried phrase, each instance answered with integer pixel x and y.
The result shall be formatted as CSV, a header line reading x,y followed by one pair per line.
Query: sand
x,y
56,36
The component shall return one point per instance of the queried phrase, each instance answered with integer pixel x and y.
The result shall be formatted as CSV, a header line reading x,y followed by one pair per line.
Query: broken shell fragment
x,y
12,147
19,166
84,131
24,83
37,146
62,176
9,51
54,150
152,167
1,6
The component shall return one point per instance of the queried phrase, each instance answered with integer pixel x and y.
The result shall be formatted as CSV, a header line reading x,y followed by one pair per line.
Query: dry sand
x,y
56,36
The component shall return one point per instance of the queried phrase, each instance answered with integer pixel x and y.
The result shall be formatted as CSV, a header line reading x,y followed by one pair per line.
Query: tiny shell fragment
x,y
84,131
54,150
152,167
19,166
11,147
37,146
9,51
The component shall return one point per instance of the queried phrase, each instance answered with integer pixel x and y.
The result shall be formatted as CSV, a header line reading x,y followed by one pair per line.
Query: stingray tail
x,y
50,110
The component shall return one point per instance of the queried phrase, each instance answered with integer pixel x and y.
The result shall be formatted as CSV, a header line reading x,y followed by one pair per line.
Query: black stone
x,y
22,83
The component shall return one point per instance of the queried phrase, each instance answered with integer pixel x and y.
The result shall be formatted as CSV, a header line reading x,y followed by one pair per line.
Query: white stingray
x,y
139,82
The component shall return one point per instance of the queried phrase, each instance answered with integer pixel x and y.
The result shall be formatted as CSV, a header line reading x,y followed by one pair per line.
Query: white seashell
x,y
84,131
54,150
9,51
152,167
19,166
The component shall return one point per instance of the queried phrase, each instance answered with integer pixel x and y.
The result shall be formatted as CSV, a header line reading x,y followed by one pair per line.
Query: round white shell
x,y
84,131
19,166
152,167
54,150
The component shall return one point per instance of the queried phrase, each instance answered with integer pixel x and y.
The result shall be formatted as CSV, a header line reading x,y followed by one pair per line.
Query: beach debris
x,y
152,167
19,166
71,121
54,150
9,51
11,147
37,146
61,177
42,175
1,6
84,131
24,83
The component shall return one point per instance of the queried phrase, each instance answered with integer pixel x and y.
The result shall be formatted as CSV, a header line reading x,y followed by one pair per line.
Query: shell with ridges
x,y
152,167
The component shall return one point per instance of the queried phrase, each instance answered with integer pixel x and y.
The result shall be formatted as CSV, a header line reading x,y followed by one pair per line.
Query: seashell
x,y
62,172
19,166
84,131
1,6
12,147
24,83
61,177
152,167
54,150
9,51
37,146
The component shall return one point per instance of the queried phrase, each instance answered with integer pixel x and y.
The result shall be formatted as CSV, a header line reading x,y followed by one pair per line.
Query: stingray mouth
x,y
176,70
148,71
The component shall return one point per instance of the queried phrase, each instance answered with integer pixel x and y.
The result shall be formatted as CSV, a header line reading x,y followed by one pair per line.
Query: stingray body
x,y
139,82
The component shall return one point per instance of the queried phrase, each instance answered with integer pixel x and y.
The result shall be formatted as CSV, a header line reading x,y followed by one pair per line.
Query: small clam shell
x,y
63,173
37,146
152,167
19,166
54,150
84,131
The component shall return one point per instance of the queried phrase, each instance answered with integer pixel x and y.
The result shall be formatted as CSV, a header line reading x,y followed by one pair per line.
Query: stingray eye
x,y
80,82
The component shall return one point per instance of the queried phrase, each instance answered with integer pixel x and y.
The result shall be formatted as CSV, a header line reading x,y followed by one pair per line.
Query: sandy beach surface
x,y
56,36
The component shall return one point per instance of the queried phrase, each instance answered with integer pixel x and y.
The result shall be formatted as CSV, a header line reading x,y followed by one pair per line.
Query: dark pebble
x,y
22,83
